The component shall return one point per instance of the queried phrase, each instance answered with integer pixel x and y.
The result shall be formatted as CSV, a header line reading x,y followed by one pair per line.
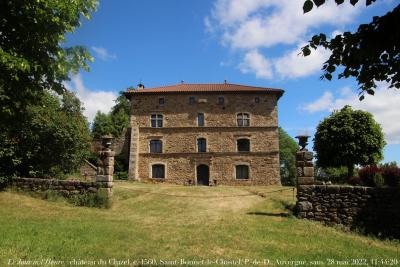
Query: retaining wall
x,y
67,188
374,210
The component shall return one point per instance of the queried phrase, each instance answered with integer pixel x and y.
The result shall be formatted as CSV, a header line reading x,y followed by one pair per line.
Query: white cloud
x,y
103,54
383,105
255,62
325,102
293,65
93,101
252,26
290,65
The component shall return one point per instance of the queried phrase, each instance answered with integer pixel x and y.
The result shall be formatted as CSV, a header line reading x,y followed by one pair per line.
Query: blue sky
x,y
252,42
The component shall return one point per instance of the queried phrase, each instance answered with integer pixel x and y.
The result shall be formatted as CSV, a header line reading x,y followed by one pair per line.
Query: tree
x,y
370,54
102,125
32,57
114,122
348,137
54,140
287,157
34,62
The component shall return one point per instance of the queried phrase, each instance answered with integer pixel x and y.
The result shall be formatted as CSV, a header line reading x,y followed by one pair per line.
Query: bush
x,y
386,174
355,180
367,175
99,200
121,175
120,167
334,175
4,182
378,180
391,176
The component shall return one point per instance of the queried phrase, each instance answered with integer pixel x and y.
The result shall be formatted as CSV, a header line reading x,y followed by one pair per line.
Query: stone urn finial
x,y
107,141
303,141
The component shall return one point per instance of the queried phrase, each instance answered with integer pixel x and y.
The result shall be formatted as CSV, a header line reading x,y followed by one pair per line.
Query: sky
x,y
250,42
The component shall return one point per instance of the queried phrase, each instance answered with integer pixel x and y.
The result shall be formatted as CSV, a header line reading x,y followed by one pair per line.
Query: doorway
x,y
203,175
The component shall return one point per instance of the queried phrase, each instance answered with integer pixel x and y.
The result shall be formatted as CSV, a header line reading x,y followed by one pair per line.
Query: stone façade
x,y
180,132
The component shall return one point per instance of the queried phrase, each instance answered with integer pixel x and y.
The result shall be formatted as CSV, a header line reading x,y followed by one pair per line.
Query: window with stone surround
x,y
158,171
243,145
221,100
192,100
243,119
161,101
201,145
242,172
156,120
155,146
200,119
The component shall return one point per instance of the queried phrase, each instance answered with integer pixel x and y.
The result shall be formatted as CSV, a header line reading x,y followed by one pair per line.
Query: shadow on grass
x,y
282,214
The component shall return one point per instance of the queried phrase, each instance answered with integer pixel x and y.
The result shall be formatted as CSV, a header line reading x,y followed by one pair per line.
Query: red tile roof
x,y
204,88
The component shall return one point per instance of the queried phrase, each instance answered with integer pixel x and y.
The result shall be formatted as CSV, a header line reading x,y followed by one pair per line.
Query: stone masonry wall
x,y
179,113
180,132
263,168
375,210
67,188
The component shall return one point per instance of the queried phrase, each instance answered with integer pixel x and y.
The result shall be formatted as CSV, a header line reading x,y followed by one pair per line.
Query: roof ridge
x,y
194,84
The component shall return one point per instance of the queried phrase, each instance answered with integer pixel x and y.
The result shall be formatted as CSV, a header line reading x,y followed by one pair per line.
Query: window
x,y
161,101
155,146
192,100
243,145
156,120
200,119
221,100
243,119
158,171
242,172
257,99
201,145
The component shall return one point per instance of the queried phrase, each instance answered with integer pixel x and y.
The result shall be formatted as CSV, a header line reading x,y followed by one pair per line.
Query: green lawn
x,y
168,222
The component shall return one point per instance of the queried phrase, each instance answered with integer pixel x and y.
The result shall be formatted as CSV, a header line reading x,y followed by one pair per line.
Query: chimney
x,y
140,86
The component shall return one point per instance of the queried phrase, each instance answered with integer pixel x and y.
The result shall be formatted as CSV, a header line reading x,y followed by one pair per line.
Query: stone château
x,y
204,134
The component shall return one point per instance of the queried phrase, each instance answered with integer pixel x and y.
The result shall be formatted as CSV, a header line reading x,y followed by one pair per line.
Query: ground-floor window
x,y
158,171
242,172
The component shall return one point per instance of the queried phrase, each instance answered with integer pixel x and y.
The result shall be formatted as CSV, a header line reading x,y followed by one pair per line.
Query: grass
x,y
168,222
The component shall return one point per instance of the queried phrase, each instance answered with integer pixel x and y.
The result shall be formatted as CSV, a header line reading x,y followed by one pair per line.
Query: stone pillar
x,y
133,150
304,167
105,177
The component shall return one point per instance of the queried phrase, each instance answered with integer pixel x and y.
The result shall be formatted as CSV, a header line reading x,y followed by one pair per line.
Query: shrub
x,y
367,175
99,199
387,174
121,175
391,176
355,180
120,167
4,182
378,180
335,175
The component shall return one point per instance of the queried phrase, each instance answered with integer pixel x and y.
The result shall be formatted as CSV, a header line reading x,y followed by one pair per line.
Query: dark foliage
x,y
114,122
348,137
287,156
37,131
371,54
